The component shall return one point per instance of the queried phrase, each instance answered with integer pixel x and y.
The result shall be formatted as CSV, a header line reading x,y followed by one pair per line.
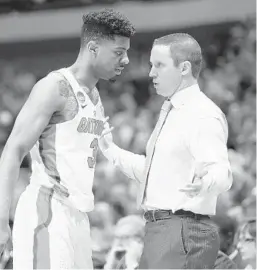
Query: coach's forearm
x,y
132,165
9,171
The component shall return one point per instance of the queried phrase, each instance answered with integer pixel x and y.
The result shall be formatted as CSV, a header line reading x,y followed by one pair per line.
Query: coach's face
x,y
111,57
166,76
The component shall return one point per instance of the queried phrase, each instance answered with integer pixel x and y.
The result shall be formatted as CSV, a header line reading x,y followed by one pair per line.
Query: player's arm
x,y
132,165
44,100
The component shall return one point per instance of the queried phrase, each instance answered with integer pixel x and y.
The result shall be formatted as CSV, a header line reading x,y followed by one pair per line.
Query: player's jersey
x,y
66,151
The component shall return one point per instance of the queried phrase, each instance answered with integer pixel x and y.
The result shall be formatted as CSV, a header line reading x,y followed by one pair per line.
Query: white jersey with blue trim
x,y
66,151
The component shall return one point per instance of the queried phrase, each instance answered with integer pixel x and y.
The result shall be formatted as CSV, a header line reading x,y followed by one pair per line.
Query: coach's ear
x,y
92,47
186,67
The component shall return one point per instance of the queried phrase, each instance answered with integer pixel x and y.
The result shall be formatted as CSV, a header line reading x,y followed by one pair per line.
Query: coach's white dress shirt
x,y
195,133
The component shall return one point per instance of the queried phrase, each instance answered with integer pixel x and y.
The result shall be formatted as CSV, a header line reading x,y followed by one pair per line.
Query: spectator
x,y
245,243
127,245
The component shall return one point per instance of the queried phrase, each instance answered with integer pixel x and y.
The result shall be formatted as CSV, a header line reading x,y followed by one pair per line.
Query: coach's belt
x,y
159,214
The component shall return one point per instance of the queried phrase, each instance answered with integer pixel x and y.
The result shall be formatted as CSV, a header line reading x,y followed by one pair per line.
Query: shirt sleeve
x,y
208,146
132,165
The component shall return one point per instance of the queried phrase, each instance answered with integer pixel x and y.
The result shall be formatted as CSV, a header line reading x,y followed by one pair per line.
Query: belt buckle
x,y
153,215
149,215
146,216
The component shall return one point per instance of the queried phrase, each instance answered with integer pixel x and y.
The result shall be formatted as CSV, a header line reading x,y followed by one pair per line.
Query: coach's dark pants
x,y
180,242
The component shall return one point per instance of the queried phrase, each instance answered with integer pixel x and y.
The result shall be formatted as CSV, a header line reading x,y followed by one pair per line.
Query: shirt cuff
x,y
111,153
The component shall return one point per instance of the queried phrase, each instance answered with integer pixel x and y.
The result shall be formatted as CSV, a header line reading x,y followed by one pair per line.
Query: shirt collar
x,y
184,96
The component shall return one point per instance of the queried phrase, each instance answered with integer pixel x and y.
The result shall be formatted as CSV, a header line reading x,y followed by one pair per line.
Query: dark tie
x,y
166,107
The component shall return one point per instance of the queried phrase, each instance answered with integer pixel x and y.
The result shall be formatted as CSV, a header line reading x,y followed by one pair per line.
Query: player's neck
x,y
83,75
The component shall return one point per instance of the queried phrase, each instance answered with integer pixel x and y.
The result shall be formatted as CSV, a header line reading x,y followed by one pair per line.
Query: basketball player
x,y
61,123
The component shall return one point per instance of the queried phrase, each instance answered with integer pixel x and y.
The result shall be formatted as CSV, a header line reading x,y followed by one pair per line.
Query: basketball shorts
x,y
49,234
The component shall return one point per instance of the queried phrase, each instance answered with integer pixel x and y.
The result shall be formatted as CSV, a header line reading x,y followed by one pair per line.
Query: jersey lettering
x,y
91,126
92,160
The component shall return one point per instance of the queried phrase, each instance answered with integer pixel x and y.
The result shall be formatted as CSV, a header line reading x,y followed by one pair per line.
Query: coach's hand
x,y
193,189
106,138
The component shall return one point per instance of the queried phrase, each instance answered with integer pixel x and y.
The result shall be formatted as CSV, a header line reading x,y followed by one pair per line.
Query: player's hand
x,y
106,138
6,254
193,189
5,239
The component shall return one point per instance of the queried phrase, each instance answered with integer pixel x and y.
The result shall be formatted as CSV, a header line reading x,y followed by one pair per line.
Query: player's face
x,y
112,57
166,76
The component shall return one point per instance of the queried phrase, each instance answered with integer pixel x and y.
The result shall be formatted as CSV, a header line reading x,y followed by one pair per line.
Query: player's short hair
x,y
105,24
183,47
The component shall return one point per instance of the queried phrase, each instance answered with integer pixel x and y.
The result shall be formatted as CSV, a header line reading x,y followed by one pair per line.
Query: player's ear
x,y
93,47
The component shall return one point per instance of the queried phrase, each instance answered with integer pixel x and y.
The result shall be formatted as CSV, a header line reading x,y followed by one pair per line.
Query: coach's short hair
x,y
105,24
183,47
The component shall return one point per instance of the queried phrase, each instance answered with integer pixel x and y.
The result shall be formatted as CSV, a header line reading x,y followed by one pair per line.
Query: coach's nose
x,y
152,73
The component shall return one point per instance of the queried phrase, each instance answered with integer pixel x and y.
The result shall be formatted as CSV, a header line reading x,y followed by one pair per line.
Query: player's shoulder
x,y
52,80
51,89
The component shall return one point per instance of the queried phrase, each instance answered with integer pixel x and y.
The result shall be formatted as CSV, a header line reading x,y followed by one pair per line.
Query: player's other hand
x,y
106,138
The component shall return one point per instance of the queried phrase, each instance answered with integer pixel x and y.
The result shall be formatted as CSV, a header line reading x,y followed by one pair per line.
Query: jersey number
x,y
92,160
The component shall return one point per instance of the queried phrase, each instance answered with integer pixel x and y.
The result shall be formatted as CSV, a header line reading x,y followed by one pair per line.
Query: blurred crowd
x,y
7,6
228,78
